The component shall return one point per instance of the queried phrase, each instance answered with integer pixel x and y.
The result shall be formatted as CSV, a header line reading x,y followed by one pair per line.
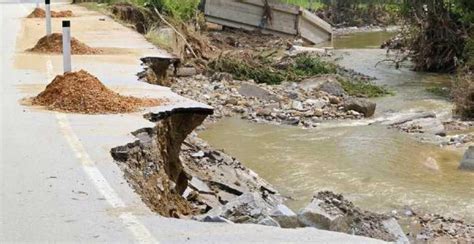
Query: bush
x,y
307,65
360,88
263,69
242,70
182,10
463,94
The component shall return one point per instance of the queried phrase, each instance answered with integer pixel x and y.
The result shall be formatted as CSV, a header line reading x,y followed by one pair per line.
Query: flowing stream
x,y
377,168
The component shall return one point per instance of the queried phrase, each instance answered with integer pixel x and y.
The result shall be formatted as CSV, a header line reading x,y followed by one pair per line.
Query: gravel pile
x,y
54,44
81,92
40,13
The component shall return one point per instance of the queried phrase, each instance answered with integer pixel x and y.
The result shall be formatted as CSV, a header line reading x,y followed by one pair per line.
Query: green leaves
x,y
182,10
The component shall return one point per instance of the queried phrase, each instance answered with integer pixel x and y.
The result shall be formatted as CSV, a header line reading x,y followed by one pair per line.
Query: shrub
x,y
182,10
463,94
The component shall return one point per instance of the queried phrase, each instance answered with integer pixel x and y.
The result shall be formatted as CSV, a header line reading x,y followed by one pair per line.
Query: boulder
x,y
215,219
467,162
247,208
431,126
360,105
403,118
391,226
315,103
326,83
251,90
333,88
285,217
296,105
268,221
330,211
315,215
298,49
199,185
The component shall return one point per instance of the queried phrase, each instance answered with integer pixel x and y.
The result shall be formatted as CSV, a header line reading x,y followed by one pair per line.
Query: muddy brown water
x,y
377,168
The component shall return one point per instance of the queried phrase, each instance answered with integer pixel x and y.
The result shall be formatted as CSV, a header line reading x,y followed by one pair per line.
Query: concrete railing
x,y
285,19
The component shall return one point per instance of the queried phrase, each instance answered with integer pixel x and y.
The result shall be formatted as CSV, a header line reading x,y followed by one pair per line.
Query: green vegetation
x,y
469,53
263,70
306,65
463,95
361,88
182,10
309,4
242,70
158,40
440,91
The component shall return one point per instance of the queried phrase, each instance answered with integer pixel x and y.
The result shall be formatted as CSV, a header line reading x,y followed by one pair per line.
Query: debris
x,y
40,13
81,92
54,44
330,211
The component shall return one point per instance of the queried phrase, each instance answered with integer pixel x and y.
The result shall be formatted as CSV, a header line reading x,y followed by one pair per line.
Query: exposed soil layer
x,y
81,92
54,44
141,18
152,164
40,13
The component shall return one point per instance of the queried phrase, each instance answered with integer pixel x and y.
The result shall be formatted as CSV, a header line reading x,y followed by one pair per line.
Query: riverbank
x,y
228,96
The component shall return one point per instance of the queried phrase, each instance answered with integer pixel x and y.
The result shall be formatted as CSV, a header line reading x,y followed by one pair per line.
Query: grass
x,y
306,65
182,10
440,91
242,70
159,40
315,4
361,88
263,69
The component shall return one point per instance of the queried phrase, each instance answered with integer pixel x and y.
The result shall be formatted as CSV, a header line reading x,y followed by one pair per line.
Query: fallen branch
x,y
397,61
177,32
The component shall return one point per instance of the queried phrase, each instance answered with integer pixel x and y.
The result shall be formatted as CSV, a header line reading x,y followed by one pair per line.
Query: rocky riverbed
x,y
304,104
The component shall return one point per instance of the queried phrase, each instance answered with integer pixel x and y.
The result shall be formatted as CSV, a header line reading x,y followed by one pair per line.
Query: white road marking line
x,y
139,231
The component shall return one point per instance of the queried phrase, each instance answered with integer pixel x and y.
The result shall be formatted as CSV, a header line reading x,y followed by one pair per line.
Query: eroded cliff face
x,y
181,176
151,164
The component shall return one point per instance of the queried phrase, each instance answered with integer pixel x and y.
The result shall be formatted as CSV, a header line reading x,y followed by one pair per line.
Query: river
x,y
377,168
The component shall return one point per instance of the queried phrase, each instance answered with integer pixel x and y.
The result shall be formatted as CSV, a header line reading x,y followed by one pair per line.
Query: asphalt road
x,y
58,182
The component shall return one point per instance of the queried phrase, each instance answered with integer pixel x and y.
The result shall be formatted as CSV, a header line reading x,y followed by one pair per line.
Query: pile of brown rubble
x,y
82,92
54,44
40,13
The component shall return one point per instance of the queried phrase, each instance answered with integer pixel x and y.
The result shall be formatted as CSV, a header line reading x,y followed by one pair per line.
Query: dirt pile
x,y
54,44
81,92
40,13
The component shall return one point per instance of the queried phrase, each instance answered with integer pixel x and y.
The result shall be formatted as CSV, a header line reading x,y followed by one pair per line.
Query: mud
x,y
54,44
140,18
152,165
40,13
81,92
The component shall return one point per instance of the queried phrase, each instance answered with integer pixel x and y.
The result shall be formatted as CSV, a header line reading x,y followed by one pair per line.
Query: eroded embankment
x,y
190,182
151,164
179,175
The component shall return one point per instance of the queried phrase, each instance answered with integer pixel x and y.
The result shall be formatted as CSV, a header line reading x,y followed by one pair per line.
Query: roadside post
x,y
66,46
48,17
